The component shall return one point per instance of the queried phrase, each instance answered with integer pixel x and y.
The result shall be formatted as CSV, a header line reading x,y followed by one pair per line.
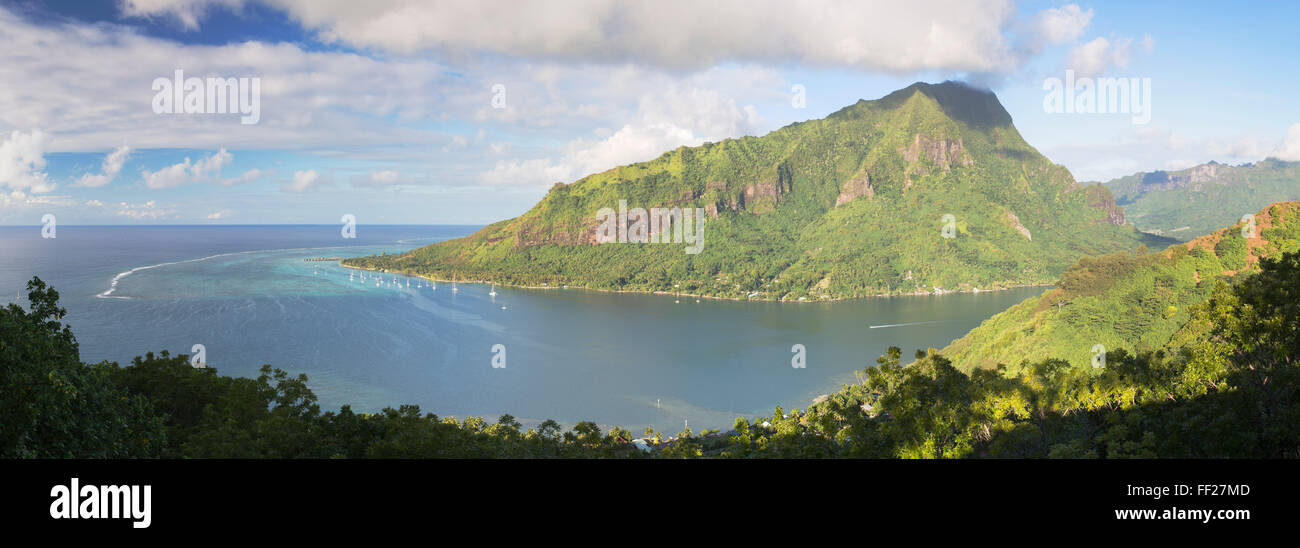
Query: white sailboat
x,y
493,293
453,285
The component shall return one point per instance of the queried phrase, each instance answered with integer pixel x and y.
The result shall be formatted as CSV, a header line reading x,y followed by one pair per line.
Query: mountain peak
x,y
926,190
975,107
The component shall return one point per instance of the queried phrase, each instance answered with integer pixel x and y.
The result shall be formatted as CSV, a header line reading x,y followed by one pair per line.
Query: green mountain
x,y
852,205
1195,201
1134,301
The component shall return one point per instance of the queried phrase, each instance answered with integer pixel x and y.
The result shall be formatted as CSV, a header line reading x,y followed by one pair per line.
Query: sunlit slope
x,y
847,206
1195,201
1137,302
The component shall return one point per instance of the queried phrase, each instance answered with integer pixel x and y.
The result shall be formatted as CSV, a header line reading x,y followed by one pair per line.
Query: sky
x,y
436,112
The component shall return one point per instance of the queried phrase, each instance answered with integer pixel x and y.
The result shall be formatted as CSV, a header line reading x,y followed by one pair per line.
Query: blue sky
x,y
388,112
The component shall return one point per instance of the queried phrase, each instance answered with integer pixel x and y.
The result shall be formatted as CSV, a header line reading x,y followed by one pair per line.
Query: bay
x,y
247,294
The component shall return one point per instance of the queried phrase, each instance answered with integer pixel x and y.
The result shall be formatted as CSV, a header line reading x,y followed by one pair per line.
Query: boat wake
x,y
112,284
905,324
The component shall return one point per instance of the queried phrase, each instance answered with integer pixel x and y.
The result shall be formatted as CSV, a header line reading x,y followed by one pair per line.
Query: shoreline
x,y
710,297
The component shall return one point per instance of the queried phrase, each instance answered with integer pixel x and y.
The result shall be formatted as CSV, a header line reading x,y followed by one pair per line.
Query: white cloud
x,y
22,159
632,143
457,141
103,72
1290,148
1246,148
314,100
1063,24
1253,148
186,12
961,35
304,181
384,177
708,116
148,210
18,200
1094,58
1158,136
109,169
1151,148
381,178
204,170
536,172
245,177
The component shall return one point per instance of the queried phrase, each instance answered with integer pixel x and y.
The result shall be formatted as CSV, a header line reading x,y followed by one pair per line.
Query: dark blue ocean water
x,y
247,295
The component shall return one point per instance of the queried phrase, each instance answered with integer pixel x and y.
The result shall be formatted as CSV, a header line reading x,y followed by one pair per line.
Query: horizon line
x,y
241,224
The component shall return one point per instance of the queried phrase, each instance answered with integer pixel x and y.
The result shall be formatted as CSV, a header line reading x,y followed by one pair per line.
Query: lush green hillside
x,y
847,206
1231,393
1134,301
1195,201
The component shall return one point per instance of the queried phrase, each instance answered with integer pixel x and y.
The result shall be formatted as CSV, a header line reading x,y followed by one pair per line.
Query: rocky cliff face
x,y
859,185
1101,198
1015,223
1163,180
941,153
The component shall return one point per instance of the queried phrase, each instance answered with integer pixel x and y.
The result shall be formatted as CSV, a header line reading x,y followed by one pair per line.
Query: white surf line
x,y
905,324
112,284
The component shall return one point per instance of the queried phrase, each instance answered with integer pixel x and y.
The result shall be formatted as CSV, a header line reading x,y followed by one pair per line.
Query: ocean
x,y
249,297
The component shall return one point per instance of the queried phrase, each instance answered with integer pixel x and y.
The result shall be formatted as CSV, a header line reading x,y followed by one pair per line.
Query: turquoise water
x,y
247,295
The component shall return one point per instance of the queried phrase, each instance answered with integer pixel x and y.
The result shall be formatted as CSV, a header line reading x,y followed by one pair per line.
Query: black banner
x,y
329,496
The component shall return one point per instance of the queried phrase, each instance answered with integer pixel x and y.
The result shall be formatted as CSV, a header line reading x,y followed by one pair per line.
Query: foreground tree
x,y
54,406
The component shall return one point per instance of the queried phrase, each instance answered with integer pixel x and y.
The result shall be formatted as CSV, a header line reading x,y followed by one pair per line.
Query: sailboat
x,y
453,285
493,293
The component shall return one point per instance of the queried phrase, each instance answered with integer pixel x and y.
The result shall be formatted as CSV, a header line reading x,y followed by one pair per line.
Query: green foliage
x,y
786,221
1231,250
1138,302
53,405
1229,391
1188,203
1231,394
